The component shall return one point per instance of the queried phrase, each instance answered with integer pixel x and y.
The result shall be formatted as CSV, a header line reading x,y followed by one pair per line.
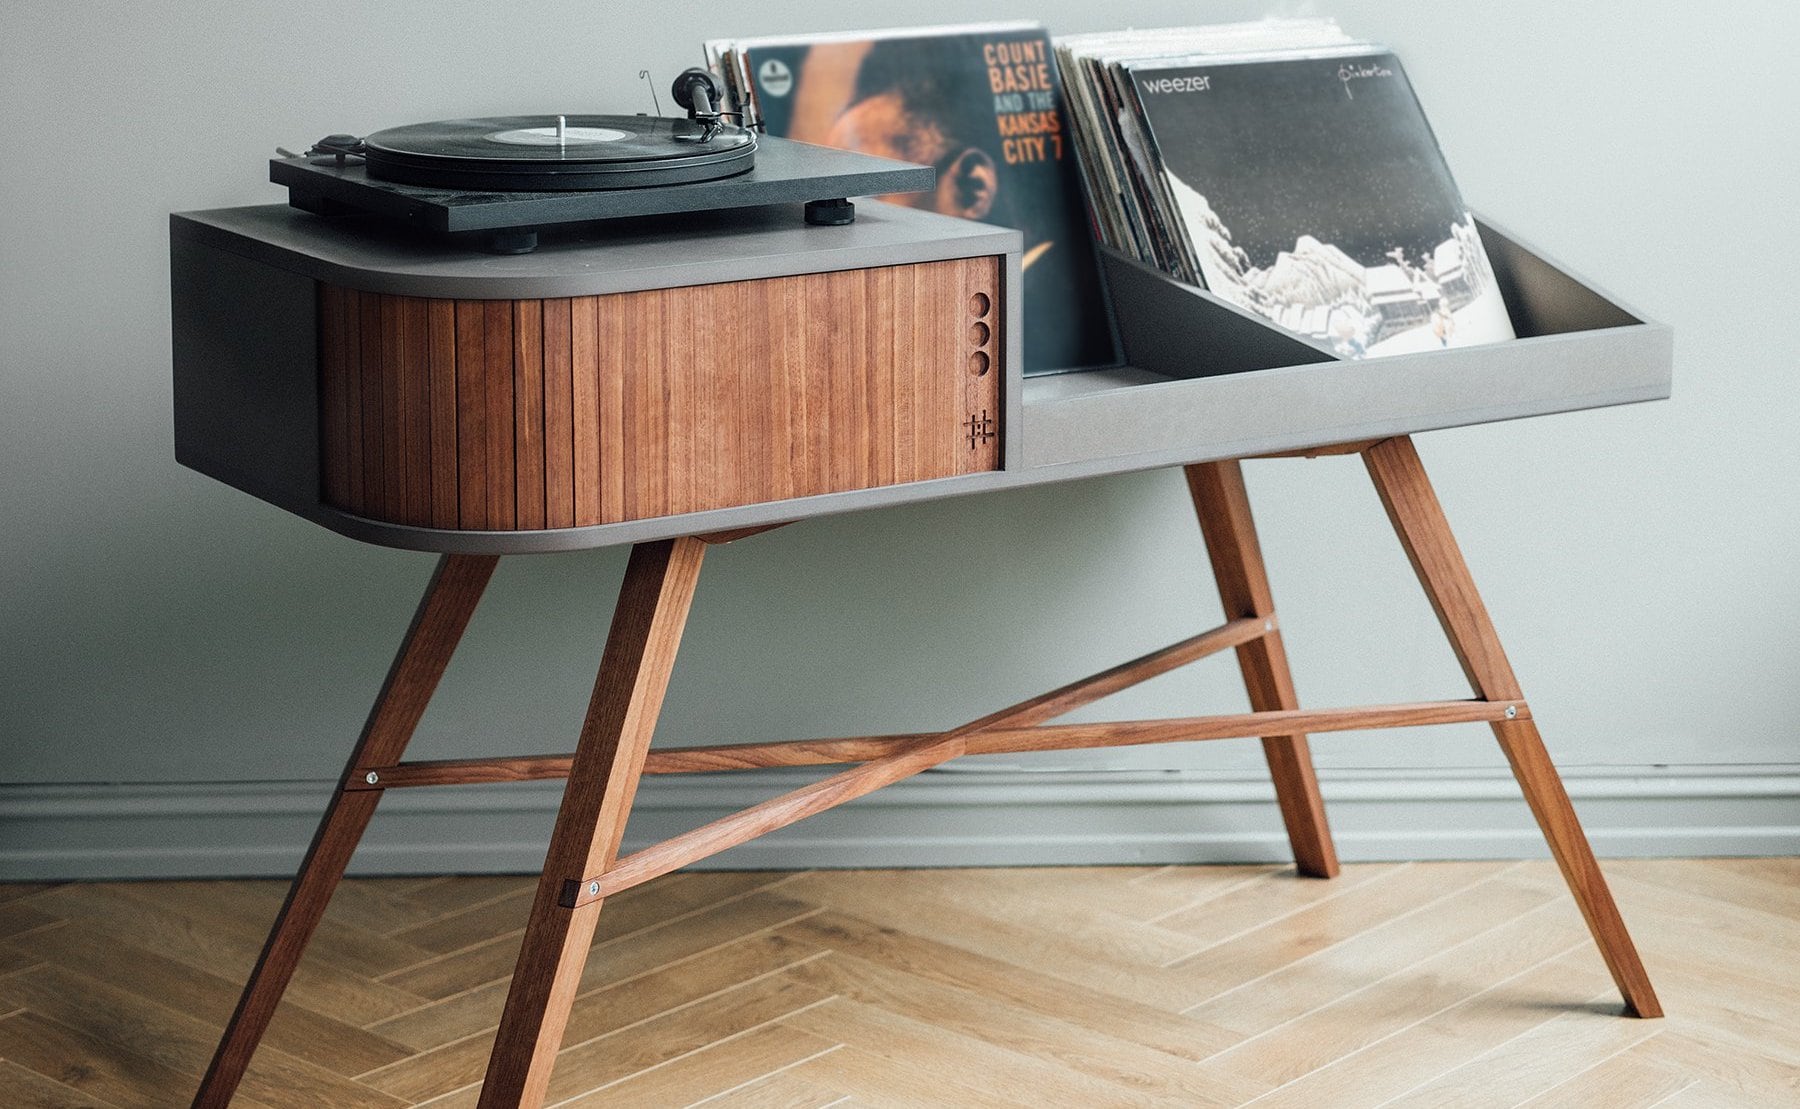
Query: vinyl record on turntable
x,y
549,153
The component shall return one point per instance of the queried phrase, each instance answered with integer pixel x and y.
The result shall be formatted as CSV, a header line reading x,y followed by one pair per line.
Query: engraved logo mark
x,y
980,429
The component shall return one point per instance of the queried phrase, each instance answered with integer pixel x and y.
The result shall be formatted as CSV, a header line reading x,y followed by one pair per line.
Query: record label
x,y
555,136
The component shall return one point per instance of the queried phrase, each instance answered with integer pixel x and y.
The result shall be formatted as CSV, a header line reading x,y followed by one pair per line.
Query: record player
x,y
498,182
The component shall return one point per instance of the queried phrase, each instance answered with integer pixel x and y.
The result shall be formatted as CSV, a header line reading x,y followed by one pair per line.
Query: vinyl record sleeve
x,y
984,107
1312,191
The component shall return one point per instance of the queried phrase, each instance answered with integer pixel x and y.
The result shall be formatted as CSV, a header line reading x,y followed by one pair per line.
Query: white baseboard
x,y
948,817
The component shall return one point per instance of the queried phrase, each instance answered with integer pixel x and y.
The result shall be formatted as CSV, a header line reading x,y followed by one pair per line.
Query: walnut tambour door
x,y
530,414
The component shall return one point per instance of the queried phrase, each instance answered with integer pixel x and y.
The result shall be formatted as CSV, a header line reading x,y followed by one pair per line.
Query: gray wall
x,y
177,639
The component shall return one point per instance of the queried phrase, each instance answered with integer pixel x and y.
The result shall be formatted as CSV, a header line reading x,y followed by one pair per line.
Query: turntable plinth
x,y
562,412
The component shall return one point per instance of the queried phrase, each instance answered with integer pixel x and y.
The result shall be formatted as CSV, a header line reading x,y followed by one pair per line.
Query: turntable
x,y
498,182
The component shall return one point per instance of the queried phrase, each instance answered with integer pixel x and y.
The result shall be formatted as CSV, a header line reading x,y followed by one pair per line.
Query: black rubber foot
x,y
830,213
510,242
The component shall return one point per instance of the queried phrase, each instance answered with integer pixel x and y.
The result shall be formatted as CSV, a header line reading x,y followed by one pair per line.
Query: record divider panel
x,y
1163,324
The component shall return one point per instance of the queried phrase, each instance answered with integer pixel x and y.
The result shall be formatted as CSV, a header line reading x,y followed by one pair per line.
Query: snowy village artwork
x,y
1439,298
1310,190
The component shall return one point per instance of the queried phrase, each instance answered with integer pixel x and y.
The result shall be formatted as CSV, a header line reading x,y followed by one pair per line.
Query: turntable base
x,y
786,172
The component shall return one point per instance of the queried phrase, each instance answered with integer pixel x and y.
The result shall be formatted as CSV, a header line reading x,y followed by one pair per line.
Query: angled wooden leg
x,y
634,672
1230,533
438,624
1419,519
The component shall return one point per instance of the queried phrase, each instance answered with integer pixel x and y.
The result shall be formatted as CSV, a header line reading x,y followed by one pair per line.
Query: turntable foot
x,y
830,213
512,241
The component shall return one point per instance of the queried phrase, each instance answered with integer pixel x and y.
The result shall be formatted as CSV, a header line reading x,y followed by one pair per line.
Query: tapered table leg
x,y
1225,522
1424,532
438,624
634,673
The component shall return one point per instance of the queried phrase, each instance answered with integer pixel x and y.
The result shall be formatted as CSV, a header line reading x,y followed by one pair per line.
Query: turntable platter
x,y
551,153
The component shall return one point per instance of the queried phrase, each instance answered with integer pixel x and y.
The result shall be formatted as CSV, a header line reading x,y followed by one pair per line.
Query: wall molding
x,y
947,817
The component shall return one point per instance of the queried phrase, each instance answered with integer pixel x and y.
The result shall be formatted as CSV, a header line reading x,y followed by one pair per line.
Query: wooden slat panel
x,y
928,452
737,445
643,371
559,417
415,408
948,351
441,323
686,342
585,362
491,415
845,355
471,413
812,384
498,326
334,381
906,447
393,401
374,499
770,368
794,369
353,412
878,392
528,412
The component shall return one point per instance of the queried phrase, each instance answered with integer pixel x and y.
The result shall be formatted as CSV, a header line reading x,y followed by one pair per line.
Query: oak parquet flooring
x,y
1181,1035
978,1016
1404,1059
1335,945
315,1037
176,1041
601,1012
781,1089
25,1089
90,1065
1397,985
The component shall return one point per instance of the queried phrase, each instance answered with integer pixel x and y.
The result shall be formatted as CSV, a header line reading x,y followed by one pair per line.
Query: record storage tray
x,y
1204,380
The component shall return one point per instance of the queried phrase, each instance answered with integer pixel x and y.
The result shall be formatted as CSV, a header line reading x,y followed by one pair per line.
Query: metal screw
x,y
371,777
1512,711
593,889
1268,625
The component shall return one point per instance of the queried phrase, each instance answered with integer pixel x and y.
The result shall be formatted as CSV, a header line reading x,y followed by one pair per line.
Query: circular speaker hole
x,y
978,363
979,334
979,305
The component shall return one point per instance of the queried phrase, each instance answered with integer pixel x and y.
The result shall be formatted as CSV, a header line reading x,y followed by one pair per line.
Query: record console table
x,y
675,385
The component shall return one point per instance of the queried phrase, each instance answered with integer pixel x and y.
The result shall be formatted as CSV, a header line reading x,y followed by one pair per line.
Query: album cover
x,y
982,105
1312,191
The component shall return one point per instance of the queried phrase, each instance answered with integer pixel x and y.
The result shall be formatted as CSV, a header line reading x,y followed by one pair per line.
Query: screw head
x,y
371,777
1268,625
593,889
1512,712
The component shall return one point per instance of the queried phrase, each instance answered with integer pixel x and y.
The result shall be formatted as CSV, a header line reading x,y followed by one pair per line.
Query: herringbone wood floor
x,y
1427,984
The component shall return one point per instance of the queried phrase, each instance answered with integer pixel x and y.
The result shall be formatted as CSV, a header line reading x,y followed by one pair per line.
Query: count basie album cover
x,y
980,104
